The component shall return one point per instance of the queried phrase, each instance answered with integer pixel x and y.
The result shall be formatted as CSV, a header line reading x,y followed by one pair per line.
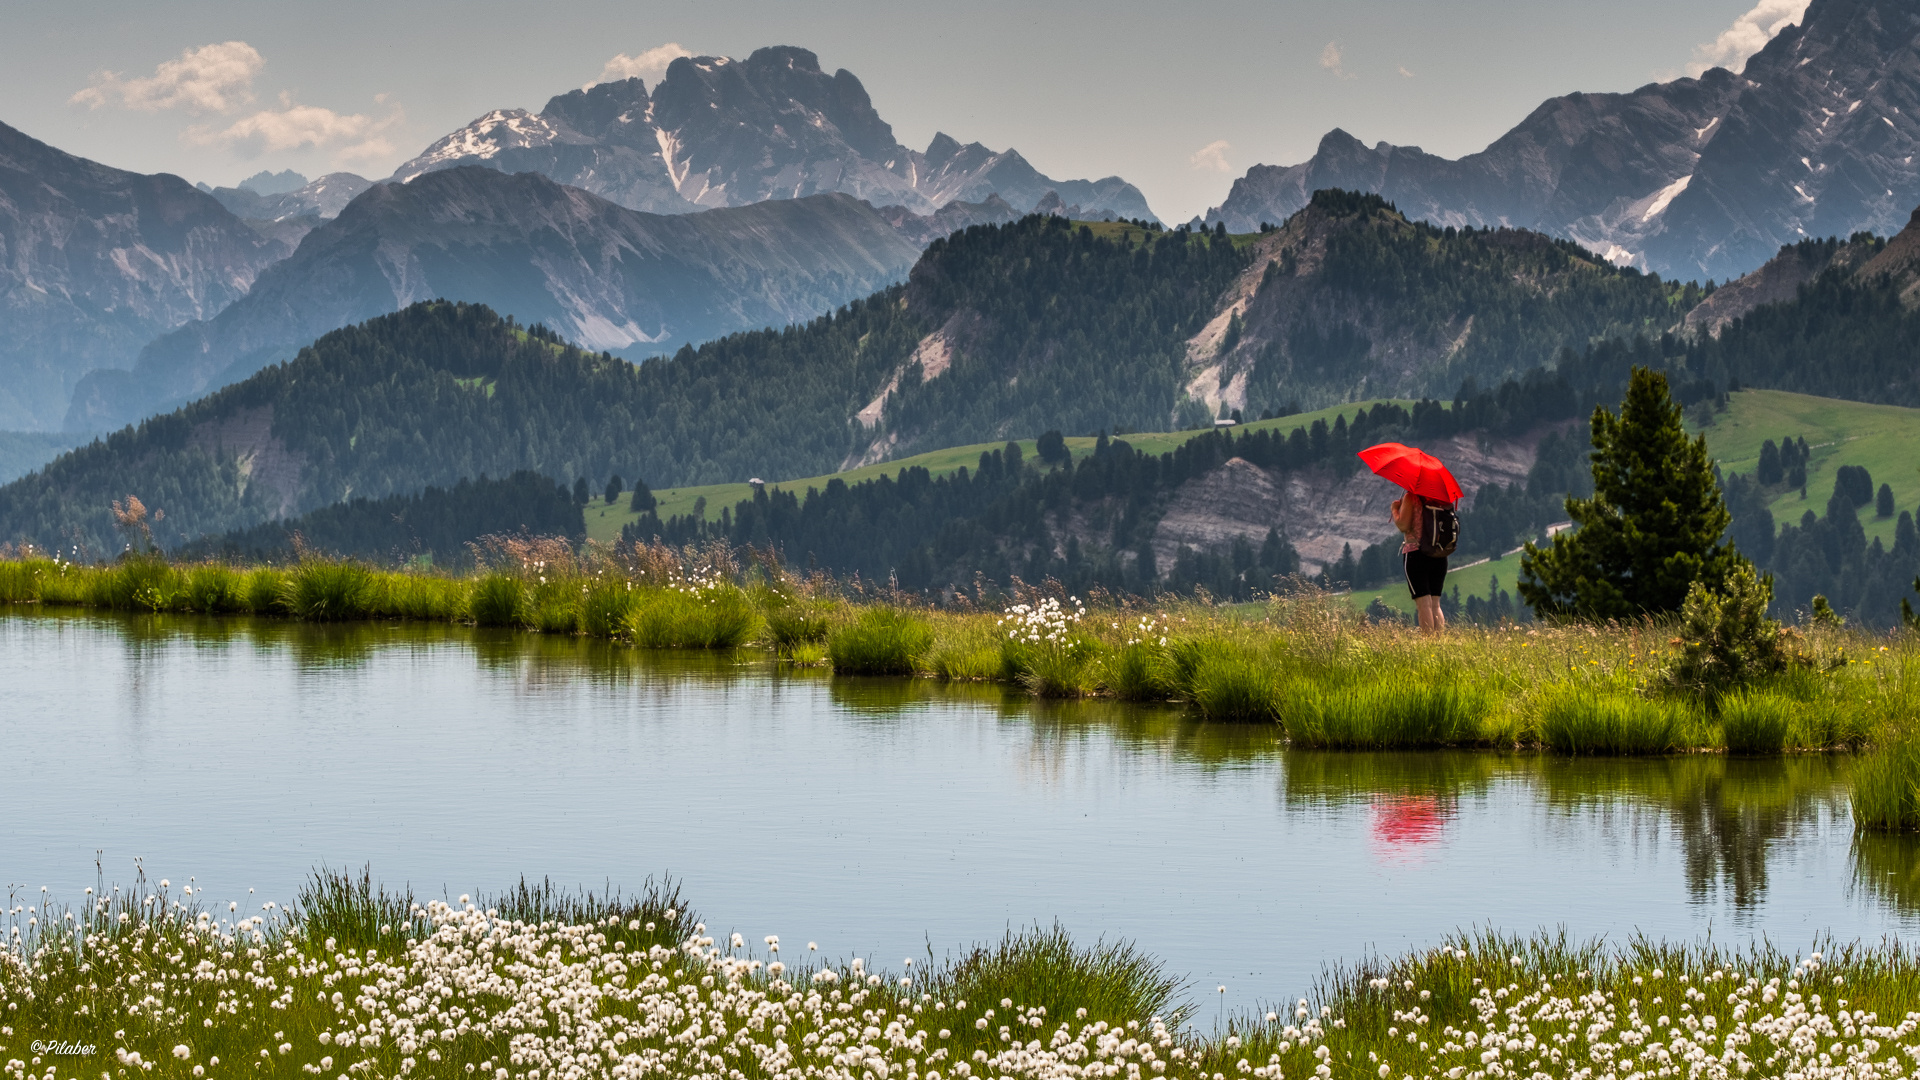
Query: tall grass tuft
x,y
20,579
1389,710
421,597
1233,686
498,600
713,617
1595,719
1050,669
1886,786
354,911
799,622
1112,981
657,916
964,650
606,607
1135,671
264,590
319,590
137,583
553,606
213,589
880,641
1757,721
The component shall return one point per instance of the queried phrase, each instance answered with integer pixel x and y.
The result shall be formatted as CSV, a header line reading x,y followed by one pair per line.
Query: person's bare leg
x,y
1432,619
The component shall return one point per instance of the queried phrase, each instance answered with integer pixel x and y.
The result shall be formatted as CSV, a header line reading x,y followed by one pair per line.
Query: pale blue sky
x,y
1082,89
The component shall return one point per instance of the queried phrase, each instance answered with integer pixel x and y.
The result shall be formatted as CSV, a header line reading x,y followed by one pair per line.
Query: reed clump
x,y
965,649
1391,709
1886,785
1043,968
1759,721
1596,718
1223,682
880,641
318,590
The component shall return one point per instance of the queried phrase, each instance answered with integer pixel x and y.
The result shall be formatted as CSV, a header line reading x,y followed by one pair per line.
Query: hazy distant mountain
x,y
99,261
723,132
1694,178
924,229
605,276
323,198
272,183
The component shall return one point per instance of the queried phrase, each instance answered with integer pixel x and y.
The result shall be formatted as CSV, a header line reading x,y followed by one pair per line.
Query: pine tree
x,y
614,487
1770,470
1052,447
1653,526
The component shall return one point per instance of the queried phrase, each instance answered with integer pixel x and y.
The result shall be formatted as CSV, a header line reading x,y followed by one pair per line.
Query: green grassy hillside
x,y
604,522
1883,439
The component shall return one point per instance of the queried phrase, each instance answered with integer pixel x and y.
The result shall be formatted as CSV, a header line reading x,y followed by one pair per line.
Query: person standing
x,y
1426,574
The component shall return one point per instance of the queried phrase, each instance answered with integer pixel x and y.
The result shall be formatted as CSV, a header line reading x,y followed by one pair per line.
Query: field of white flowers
x,y
147,982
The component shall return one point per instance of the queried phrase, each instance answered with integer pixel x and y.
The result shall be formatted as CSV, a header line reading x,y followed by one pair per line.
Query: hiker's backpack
x,y
1439,530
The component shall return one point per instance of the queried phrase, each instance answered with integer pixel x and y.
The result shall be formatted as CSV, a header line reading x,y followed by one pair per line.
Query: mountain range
x,y
99,261
999,332
722,132
1695,178
1004,332
609,278
1704,176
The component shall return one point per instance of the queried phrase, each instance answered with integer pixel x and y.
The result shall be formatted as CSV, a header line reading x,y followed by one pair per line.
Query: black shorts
x,y
1426,574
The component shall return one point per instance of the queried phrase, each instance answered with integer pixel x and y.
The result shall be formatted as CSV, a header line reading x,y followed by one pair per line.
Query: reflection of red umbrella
x,y
1415,470
1404,825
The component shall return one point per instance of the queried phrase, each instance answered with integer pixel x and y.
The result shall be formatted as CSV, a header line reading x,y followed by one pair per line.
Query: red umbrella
x,y
1415,470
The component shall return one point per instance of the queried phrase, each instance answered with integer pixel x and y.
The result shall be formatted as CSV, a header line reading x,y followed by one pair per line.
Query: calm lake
x,y
876,817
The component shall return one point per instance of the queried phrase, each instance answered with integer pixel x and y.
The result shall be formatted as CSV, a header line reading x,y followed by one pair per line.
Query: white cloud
x,y
352,136
211,78
649,65
1404,73
1213,156
1748,35
1331,60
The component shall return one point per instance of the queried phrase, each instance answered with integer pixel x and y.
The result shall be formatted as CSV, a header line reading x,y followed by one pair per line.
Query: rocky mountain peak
x,y
1693,178
941,149
611,110
721,132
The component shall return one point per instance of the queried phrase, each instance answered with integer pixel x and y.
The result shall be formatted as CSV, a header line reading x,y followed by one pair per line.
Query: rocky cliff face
x,y
1693,178
601,275
95,262
1321,510
721,132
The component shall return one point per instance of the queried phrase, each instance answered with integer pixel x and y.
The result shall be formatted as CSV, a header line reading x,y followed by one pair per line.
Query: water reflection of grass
x,y
1318,777
1159,730
1728,812
1887,868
